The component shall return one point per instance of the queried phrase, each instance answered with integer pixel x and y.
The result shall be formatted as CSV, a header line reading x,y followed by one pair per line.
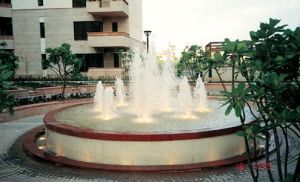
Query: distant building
x,y
95,29
168,54
226,72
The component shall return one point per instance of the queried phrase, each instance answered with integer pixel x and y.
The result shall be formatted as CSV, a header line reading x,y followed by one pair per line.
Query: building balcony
x,y
109,39
5,4
108,8
9,41
5,10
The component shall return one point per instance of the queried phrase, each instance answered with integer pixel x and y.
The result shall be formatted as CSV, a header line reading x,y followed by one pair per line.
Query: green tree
x,y
191,62
63,63
270,64
8,67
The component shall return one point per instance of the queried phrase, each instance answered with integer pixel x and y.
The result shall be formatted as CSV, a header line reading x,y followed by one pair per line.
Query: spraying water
x,y
167,86
120,92
145,82
200,96
184,99
109,108
151,92
98,98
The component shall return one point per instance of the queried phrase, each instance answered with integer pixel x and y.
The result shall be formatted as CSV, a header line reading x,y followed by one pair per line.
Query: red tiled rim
x,y
52,124
29,146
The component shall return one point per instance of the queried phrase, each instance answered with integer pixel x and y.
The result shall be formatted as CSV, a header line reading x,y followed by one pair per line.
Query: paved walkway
x,y
15,165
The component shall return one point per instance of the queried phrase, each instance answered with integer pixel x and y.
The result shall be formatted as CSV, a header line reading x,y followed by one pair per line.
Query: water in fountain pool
x,y
83,116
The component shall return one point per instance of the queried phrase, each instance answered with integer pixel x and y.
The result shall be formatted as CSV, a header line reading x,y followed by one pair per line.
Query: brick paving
x,y
15,165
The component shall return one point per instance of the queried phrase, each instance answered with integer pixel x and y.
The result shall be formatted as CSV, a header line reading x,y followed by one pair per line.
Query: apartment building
x,y
95,29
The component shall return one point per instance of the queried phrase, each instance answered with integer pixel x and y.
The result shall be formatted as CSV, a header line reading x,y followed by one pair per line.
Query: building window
x,y
6,26
42,29
115,27
79,3
5,1
41,2
95,60
81,29
91,61
116,60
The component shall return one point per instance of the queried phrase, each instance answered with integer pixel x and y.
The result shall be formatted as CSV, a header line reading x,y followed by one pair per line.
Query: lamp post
x,y
147,33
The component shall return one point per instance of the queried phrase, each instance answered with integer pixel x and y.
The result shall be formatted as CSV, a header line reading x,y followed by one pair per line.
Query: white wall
x,y
135,19
33,4
144,153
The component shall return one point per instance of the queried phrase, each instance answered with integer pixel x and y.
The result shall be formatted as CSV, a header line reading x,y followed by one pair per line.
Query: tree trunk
x,y
278,157
255,158
221,80
267,155
286,157
64,88
232,74
254,177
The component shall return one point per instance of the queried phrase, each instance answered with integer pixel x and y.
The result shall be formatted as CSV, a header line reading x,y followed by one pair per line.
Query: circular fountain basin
x,y
166,142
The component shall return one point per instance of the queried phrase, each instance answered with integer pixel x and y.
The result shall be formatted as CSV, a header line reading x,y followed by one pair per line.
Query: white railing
x,y
106,3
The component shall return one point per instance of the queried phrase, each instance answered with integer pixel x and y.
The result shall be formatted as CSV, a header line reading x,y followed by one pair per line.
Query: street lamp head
x,y
147,32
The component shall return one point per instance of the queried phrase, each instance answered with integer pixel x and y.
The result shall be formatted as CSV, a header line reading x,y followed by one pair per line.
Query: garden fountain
x,y
161,125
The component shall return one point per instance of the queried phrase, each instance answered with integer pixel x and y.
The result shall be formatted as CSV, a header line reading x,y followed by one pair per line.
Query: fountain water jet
x,y
200,96
168,85
98,98
184,99
109,108
120,92
144,87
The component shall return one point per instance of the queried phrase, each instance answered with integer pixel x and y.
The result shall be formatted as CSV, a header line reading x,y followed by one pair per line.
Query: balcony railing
x,y
6,37
5,10
108,34
107,7
109,39
104,72
5,5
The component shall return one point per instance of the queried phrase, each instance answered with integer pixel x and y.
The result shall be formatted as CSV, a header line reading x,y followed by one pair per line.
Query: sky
x,y
188,22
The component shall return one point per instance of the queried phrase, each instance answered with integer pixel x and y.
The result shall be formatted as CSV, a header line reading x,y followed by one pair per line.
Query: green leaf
x,y
290,55
6,75
298,109
229,108
273,22
241,87
237,109
264,27
279,59
254,36
249,130
241,133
